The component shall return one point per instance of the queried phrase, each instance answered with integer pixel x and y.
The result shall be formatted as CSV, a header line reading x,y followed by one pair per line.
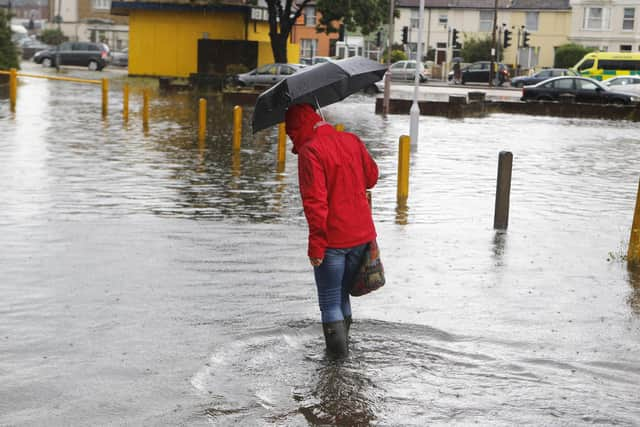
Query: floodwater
x,y
150,280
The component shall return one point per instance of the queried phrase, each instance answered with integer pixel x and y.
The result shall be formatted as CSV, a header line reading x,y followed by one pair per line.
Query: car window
x,y
266,69
544,73
563,84
397,66
586,65
94,47
615,82
585,85
286,70
65,46
80,46
475,67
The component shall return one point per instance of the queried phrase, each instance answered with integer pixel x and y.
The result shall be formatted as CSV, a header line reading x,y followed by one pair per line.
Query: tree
x,y
568,55
8,51
281,21
365,16
477,49
53,36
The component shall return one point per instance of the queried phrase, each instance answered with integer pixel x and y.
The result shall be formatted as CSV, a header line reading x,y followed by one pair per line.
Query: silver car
x,y
623,83
266,75
406,70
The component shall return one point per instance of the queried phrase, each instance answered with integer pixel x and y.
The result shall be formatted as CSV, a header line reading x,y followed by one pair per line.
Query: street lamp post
x,y
415,109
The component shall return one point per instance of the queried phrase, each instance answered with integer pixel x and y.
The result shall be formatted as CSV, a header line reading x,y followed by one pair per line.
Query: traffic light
x,y
379,38
525,39
454,39
506,41
405,35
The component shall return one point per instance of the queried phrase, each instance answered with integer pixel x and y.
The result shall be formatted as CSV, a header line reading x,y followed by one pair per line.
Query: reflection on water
x,y
634,282
149,278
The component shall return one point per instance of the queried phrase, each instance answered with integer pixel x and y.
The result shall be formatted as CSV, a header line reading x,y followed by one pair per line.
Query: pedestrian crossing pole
x,y
633,254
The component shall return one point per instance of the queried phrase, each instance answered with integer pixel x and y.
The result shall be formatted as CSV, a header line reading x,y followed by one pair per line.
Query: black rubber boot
x,y
347,325
335,336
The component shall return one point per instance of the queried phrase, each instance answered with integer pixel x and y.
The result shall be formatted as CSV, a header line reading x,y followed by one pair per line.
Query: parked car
x,y
478,72
266,75
584,90
95,56
316,60
120,58
623,83
406,70
30,47
541,76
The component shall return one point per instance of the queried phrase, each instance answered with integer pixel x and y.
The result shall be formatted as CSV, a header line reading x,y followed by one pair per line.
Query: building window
x,y
310,16
443,20
629,17
486,20
596,18
101,4
415,19
626,48
308,48
532,21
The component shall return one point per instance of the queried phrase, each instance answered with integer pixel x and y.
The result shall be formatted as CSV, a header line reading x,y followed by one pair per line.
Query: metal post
x,y
403,168
493,42
202,119
13,89
387,75
105,97
633,253
415,109
237,127
125,102
503,190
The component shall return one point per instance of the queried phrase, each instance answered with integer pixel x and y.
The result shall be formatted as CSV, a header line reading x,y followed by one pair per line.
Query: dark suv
x,y
95,56
478,72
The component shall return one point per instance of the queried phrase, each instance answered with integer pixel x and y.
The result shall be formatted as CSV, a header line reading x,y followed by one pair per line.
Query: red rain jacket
x,y
334,171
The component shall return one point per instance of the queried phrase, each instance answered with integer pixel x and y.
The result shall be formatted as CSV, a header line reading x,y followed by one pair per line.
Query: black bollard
x,y
503,189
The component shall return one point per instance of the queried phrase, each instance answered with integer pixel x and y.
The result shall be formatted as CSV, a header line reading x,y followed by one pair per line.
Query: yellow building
x,y
176,38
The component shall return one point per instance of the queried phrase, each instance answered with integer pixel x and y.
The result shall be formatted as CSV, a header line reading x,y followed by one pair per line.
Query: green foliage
x,y
53,36
476,49
568,55
397,53
8,51
364,16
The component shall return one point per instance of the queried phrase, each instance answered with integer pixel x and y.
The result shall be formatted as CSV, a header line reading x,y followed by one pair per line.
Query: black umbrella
x,y
320,85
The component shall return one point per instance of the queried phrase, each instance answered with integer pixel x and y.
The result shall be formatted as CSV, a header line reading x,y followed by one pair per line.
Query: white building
x,y
607,25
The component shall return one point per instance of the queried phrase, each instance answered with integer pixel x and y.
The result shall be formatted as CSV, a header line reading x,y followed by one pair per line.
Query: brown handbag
x,y
371,274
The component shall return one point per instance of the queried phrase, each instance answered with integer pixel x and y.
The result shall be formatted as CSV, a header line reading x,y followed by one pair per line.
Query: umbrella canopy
x,y
320,85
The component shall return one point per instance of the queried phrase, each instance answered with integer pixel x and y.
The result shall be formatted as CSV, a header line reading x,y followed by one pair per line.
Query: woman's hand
x,y
315,261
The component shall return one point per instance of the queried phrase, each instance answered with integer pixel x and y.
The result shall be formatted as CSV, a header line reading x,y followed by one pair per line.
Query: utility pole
x,y
493,42
387,75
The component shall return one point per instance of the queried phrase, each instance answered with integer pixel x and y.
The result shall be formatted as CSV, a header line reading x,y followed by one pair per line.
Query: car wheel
x,y
371,90
47,62
519,84
93,65
463,81
423,79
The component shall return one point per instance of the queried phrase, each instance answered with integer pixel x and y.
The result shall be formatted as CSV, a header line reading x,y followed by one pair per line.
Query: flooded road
x,y
150,280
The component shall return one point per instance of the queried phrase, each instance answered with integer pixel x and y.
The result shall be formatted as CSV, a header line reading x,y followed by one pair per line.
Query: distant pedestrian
x,y
457,72
334,171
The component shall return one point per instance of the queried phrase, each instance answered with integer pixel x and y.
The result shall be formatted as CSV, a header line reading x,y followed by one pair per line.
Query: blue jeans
x,y
333,280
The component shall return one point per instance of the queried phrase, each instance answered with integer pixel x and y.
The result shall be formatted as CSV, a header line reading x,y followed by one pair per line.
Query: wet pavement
x,y
150,280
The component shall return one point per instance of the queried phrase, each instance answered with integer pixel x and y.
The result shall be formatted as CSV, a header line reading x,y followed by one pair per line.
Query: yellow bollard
x,y
237,127
13,89
125,102
105,97
282,144
145,108
633,254
340,127
202,119
403,168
